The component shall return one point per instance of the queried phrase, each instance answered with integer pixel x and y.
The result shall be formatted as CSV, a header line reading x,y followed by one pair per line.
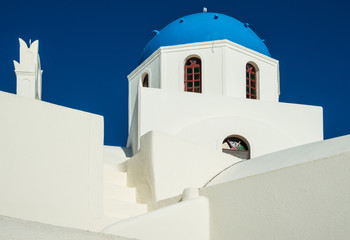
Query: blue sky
x,y
87,49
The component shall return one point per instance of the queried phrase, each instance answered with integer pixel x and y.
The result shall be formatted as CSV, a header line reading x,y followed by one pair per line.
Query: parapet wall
x,y
50,163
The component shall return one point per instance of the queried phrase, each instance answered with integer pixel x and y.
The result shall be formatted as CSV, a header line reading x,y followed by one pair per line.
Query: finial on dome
x,y
205,10
155,32
246,25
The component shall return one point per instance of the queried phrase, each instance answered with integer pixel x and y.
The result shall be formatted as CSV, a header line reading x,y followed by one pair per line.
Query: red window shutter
x,y
251,82
193,75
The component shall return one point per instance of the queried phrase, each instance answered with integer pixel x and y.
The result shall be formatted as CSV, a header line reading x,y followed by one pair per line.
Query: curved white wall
x,y
298,193
223,74
208,120
166,165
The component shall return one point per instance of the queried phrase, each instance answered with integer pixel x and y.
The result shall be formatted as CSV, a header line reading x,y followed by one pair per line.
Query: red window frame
x,y
145,81
251,82
193,75
230,145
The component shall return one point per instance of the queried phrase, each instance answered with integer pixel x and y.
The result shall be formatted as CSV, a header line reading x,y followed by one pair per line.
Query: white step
x,y
115,167
118,192
121,209
114,177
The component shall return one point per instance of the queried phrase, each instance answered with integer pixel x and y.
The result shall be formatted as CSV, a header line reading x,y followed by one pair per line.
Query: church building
x,y
211,153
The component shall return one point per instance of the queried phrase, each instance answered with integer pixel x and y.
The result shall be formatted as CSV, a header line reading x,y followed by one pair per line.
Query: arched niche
x,y
237,146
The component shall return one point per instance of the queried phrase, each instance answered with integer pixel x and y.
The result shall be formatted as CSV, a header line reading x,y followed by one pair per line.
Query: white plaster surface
x,y
223,66
186,220
115,157
285,158
51,160
223,74
166,165
15,229
153,69
207,120
307,196
28,71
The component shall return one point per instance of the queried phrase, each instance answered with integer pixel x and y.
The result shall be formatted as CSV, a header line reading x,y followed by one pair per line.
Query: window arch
x,y
251,82
193,75
236,146
145,82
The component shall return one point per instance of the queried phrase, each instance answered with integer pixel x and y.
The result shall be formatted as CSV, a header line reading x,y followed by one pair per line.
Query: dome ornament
x,y
246,25
156,32
205,10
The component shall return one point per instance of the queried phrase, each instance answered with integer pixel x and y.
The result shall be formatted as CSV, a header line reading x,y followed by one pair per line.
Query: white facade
x,y
173,181
221,110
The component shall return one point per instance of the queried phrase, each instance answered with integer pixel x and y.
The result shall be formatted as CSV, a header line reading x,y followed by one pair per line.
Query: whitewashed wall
x,y
186,220
298,193
152,68
223,74
166,165
223,69
207,120
50,163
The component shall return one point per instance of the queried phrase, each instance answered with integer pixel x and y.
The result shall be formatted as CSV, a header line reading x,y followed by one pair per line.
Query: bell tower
x,y
28,70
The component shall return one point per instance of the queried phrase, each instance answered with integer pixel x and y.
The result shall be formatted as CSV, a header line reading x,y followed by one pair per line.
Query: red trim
x,y
251,82
232,147
193,75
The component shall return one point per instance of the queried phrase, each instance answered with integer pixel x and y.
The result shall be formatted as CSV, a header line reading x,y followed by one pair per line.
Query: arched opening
x,y
236,146
251,82
193,75
145,81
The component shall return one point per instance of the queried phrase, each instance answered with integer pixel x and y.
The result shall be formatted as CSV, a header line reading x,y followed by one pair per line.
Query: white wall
x,y
235,74
166,165
223,75
208,120
152,68
186,220
50,163
223,69
298,193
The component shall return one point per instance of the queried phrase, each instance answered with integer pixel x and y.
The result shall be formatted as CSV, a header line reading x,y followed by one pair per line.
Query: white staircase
x,y
119,200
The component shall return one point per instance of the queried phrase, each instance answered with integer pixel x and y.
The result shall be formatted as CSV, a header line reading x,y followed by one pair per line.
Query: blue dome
x,y
201,27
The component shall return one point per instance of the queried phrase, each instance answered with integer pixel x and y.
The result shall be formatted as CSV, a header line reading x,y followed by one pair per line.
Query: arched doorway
x,y
236,146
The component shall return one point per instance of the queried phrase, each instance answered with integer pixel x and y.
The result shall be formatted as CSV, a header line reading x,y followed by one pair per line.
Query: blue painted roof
x,y
201,27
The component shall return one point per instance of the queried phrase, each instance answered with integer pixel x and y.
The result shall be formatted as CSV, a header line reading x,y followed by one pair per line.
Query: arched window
x,y
236,146
145,81
193,75
251,82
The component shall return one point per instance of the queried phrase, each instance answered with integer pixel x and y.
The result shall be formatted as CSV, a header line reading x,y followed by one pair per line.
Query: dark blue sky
x,y
87,49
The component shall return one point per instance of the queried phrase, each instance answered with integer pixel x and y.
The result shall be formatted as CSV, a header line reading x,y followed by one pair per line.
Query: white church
x,y
211,154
